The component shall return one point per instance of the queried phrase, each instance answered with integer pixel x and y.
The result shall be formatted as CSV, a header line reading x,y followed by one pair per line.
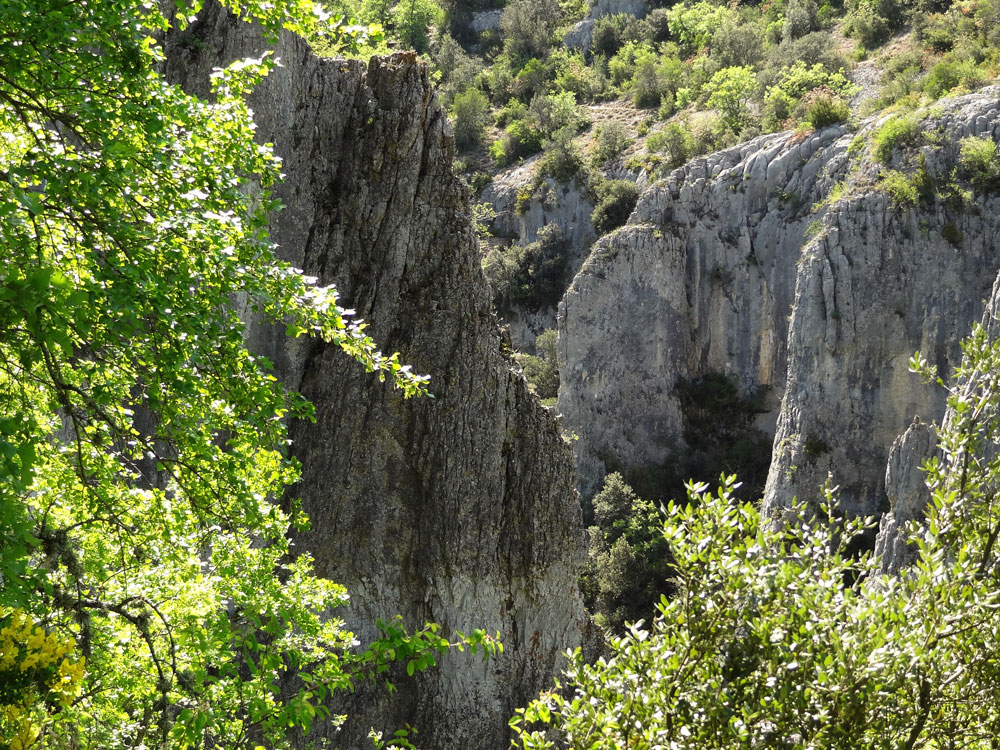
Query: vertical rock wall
x,y
877,283
739,263
459,509
700,281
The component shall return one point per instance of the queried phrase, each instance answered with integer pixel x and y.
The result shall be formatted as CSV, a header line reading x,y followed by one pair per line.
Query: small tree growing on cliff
x,y
730,91
778,638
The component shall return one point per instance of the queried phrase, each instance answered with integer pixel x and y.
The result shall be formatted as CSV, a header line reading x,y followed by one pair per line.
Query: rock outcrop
x,y
906,487
878,283
700,281
551,203
906,483
458,509
749,263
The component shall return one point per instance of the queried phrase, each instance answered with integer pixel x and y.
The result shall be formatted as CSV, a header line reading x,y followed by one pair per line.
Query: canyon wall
x,y
458,509
784,264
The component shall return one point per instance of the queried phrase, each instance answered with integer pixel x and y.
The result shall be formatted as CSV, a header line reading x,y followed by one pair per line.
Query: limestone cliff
x,y
876,284
551,204
700,281
745,263
458,509
906,484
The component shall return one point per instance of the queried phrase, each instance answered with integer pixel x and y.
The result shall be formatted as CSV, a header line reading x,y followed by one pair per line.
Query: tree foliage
x,y
778,637
541,370
628,567
143,449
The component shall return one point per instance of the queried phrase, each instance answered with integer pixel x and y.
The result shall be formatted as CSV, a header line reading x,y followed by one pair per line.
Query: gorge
x,y
781,263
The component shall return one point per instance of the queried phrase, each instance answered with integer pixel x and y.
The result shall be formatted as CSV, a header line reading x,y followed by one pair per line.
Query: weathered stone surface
x,y
458,509
581,36
908,494
736,263
905,483
553,203
700,281
876,284
486,20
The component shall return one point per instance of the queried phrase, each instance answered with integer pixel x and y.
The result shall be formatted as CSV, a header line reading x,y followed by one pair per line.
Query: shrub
x,y
541,369
520,139
458,70
720,429
553,112
937,31
646,83
575,76
621,67
815,48
674,141
612,140
532,275
616,199
659,25
532,79
562,159
896,132
737,43
513,110
729,91
411,20
502,269
693,25
542,280
528,26
708,132
979,159
950,74
953,234
787,98
628,565
900,188
823,107
899,77
870,29
801,17
470,110
607,34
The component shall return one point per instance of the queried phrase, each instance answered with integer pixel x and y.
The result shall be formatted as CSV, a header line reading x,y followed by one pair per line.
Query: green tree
x,y
615,201
412,19
541,370
729,91
470,111
778,637
142,447
694,25
528,27
628,567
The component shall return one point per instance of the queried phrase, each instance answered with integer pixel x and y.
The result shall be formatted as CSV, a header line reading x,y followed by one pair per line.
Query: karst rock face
x,y
459,509
784,263
905,481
